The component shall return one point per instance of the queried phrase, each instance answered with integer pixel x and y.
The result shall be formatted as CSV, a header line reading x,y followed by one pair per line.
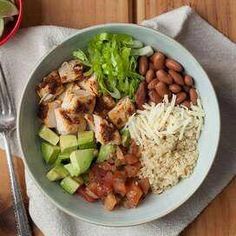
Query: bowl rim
x,y
17,24
150,218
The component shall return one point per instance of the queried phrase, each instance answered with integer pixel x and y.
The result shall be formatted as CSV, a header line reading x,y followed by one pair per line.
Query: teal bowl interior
x,y
154,206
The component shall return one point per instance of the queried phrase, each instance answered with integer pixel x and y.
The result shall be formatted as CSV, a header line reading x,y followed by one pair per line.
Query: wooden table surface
x,y
219,218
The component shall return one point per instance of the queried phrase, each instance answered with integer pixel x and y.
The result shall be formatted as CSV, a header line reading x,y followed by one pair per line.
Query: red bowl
x,y
13,26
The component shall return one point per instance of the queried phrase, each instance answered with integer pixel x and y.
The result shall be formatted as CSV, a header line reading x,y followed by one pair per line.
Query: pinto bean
x,y
158,60
188,80
143,65
153,83
154,96
164,77
177,77
162,89
141,95
175,88
193,95
180,97
149,75
173,65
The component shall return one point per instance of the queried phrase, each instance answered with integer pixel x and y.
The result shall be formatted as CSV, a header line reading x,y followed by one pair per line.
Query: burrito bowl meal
x,y
120,120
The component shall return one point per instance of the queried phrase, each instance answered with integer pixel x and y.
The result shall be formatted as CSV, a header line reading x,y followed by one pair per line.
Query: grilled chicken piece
x,y
50,87
80,101
90,85
71,71
104,104
105,132
69,88
120,114
47,113
108,101
90,121
69,123
73,88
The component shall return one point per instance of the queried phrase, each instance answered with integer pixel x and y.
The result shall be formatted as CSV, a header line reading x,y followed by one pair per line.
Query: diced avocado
x,y
125,138
71,170
81,160
50,152
86,139
69,184
68,143
48,135
57,172
63,158
105,152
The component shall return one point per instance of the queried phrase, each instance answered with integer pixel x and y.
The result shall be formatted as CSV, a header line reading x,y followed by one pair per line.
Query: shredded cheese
x,y
165,119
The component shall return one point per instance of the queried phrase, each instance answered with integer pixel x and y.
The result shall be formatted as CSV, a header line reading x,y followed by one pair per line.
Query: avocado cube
x,y
105,152
48,135
86,139
81,160
68,143
57,172
50,152
69,185
71,170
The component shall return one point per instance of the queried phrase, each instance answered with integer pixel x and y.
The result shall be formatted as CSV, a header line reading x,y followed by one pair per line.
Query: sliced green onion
x,y
145,51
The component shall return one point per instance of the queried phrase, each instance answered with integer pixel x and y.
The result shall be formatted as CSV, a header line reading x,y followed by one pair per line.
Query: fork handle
x,y
23,228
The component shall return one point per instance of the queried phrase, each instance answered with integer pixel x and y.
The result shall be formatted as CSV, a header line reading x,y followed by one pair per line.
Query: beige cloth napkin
x,y
216,53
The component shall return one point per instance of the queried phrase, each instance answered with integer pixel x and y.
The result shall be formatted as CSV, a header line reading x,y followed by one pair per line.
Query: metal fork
x,y
7,125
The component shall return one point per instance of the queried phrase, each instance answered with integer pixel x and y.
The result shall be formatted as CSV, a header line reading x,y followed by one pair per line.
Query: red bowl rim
x,y
17,24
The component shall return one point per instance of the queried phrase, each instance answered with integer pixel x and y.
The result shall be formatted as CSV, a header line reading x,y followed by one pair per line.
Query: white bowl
x,y
154,206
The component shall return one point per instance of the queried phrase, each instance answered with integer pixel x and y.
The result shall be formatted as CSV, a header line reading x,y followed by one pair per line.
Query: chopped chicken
x,y
90,121
81,101
71,71
120,114
104,104
47,113
69,123
105,132
73,88
90,85
108,101
50,87
70,88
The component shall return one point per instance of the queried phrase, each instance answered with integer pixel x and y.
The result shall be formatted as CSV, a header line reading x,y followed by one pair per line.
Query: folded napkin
x,y
217,55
